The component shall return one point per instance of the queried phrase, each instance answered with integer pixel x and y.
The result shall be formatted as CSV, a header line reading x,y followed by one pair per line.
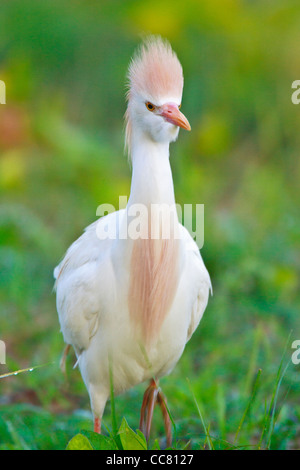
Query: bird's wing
x,y
81,278
200,282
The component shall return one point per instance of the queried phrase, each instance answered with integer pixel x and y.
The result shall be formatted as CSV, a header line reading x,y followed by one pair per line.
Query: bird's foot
x,y
161,400
152,396
97,425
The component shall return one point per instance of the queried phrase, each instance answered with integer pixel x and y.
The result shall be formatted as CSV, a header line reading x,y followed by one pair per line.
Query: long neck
x,y
152,181
154,260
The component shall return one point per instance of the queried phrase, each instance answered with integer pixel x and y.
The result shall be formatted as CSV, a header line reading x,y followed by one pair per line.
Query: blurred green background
x,y
61,155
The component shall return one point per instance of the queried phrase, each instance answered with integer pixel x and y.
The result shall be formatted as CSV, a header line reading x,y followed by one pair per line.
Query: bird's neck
x,y
154,258
152,181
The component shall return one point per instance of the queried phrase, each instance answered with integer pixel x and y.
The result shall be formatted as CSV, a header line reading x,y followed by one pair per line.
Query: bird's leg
x,y
151,405
152,396
143,409
97,425
161,400
62,363
147,408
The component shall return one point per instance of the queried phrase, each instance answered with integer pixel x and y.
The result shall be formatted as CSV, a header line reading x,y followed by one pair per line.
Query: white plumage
x,y
133,304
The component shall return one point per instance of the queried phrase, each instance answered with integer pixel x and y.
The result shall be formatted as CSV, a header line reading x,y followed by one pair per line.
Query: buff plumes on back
x,y
153,283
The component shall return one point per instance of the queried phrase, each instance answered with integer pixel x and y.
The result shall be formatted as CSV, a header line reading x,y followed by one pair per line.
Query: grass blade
x,y
274,404
113,411
208,438
269,421
248,407
20,371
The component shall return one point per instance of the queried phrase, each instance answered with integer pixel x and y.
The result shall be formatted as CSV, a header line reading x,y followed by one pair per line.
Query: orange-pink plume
x,y
155,71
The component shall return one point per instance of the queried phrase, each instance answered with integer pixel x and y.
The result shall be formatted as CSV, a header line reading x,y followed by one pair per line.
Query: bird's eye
x,y
179,106
150,106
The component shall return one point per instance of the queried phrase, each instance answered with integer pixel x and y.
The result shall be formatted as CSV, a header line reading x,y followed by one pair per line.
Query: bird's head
x,y
155,84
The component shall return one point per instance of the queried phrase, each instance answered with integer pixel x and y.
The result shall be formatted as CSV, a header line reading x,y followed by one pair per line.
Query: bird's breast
x,y
154,274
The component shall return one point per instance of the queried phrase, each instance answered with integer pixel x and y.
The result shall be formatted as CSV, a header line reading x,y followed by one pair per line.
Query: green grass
x,y
250,422
61,155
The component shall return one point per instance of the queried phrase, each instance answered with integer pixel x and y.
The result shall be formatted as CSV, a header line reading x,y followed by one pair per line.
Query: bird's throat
x,y
152,181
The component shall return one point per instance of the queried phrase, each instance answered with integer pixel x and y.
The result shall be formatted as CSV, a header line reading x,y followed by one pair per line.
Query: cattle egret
x,y
129,303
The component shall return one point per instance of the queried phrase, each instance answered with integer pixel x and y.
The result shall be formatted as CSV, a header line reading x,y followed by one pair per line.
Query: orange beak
x,y
171,113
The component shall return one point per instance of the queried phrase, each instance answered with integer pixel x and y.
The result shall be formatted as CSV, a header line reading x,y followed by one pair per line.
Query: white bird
x,y
129,303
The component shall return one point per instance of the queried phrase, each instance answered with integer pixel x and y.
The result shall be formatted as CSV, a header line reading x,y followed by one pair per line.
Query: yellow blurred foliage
x,y
285,279
157,17
12,169
214,135
168,17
